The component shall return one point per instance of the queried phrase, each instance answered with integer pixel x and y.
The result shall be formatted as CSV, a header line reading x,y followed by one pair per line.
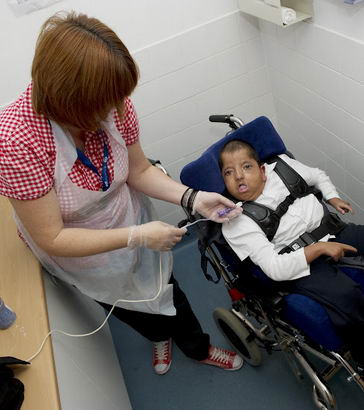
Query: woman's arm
x,y
43,221
150,180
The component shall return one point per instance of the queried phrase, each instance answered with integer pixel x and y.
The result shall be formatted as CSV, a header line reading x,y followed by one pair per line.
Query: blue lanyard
x,y
104,174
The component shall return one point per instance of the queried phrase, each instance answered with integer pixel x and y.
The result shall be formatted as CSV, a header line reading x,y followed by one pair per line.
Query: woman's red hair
x,y
81,70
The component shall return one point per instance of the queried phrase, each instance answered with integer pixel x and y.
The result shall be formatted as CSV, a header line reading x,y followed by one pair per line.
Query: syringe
x,y
226,211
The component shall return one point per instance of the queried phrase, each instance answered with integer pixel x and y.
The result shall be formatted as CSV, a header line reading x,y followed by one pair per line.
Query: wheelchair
x,y
261,316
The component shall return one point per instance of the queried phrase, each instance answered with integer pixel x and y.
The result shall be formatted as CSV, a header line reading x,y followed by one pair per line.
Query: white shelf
x,y
273,12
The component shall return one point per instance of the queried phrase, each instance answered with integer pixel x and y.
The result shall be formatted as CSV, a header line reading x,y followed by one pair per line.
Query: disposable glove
x,y
155,235
215,207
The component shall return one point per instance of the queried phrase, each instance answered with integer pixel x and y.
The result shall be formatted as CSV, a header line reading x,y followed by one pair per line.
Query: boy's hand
x,y
341,206
336,250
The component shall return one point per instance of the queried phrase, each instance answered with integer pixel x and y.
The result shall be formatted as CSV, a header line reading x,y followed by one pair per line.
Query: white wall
x,y
139,23
317,78
196,58
340,17
217,67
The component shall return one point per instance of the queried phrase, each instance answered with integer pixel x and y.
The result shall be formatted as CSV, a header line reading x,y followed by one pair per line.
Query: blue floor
x,y
189,385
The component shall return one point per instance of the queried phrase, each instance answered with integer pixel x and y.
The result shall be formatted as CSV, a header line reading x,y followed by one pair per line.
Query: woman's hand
x,y
341,206
156,235
214,206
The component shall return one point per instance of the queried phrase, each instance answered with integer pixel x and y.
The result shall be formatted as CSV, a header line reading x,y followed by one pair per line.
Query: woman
x,y
74,171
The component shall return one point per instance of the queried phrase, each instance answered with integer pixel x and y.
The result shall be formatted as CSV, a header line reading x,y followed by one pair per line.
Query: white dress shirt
x,y
247,239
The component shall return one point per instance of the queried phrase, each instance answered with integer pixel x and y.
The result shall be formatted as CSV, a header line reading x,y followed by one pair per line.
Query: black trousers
x,y
342,297
184,328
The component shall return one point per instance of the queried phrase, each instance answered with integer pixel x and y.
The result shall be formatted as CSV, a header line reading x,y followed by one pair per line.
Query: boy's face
x,y
243,176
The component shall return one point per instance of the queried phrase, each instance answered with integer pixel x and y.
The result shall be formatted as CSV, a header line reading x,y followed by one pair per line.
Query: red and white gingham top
x,y
28,151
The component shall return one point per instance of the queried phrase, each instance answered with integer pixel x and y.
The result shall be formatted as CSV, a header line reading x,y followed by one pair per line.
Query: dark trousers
x,y
184,328
342,297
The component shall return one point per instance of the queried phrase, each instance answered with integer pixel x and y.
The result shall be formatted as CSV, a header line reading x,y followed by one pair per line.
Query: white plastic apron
x,y
119,274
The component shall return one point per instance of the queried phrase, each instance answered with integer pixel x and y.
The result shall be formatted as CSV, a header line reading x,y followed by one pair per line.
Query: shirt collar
x,y
269,168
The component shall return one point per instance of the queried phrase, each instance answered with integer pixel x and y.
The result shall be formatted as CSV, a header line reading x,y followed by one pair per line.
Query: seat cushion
x,y
312,319
306,315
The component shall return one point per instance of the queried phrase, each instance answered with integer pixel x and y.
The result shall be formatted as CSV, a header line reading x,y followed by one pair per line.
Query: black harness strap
x,y
330,224
266,218
295,184
209,233
269,219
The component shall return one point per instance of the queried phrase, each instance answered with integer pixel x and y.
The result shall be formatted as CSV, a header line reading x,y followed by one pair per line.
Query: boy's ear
x,y
262,170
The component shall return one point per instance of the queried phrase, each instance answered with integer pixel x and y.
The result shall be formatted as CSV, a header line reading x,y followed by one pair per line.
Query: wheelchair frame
x,y
269,331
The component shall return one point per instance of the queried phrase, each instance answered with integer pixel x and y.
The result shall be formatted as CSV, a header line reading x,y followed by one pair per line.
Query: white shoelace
x,y
220,355
161,350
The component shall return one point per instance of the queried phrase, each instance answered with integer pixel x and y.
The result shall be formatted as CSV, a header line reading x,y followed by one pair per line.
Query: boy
x,y
306,270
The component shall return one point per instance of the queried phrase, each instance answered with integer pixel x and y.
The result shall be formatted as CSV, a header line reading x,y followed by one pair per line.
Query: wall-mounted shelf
x,y
271,10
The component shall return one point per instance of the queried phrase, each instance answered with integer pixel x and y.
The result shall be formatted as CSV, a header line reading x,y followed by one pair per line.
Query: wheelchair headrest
x,y
204,173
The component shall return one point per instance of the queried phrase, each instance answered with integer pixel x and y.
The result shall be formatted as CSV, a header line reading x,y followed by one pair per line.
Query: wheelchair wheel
x,y
238,336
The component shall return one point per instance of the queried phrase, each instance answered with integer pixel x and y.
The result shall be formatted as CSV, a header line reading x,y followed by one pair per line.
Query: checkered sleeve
x,y
24,173
129,127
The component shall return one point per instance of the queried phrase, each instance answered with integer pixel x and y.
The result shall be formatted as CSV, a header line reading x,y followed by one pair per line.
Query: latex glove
x,y
155,235
213,206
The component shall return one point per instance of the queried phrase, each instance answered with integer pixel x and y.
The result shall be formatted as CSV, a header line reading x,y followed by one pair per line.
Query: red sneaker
x,y
225,359
162,356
